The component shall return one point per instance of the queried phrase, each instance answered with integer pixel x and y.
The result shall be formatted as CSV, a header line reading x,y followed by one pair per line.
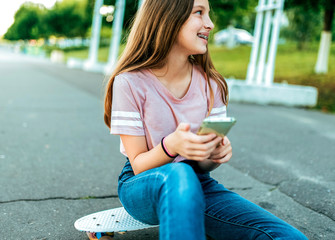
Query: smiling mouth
x,y
202,36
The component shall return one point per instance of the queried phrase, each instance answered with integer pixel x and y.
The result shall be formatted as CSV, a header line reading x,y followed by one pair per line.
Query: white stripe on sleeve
x,y
126,114
128,123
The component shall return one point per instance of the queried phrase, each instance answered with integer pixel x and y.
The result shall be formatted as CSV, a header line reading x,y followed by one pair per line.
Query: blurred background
x,y
40,27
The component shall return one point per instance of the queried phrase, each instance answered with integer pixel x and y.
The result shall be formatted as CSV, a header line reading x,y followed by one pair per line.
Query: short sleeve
x,y
126,114
219,109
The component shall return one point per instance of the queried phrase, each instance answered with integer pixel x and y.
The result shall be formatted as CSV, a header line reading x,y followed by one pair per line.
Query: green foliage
x,y
27,21
131,9
68,18
306,19
239,13
305,25
305,4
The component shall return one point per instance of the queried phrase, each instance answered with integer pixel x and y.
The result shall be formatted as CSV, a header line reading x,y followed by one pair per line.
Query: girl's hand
x,y
223,152
189,145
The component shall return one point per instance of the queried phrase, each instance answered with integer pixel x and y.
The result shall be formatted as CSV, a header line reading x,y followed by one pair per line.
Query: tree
x,y
304,25
240,13
326,38
68,19
327,7
27,22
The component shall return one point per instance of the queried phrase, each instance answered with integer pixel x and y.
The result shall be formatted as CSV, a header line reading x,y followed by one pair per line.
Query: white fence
x,y
264,49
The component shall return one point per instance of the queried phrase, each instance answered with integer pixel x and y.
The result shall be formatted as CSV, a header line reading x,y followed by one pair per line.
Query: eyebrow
x,y
200,6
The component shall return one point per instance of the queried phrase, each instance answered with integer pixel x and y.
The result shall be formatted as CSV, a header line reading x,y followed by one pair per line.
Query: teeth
x,y
203,36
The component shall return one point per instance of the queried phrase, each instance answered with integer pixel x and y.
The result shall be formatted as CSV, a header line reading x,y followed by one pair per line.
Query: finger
x,y
224,159
217,156
222,152
225,140
226,146
226,150
220,147
205,151
208,147
197,156
202,138
215,143
217,151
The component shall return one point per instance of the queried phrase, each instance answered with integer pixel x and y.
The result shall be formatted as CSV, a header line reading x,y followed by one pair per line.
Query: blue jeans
x,y
188,204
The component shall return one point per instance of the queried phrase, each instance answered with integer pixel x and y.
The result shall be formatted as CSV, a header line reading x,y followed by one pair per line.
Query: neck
x,y
176,68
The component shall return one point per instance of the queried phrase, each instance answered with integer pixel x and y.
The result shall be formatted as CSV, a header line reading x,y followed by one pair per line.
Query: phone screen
x,y
220,127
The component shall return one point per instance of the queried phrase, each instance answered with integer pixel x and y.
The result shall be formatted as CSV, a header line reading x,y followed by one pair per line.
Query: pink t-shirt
x,y
143,106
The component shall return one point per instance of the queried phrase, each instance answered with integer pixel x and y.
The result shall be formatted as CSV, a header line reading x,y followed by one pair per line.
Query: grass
x,y
292,66
83,53
290,63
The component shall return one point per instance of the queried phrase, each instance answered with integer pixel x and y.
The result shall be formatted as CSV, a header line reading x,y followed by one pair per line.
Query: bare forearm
x,y
140,157
182,142
150,159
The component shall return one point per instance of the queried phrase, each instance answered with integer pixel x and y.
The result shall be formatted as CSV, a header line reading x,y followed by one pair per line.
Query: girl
x,y
162,88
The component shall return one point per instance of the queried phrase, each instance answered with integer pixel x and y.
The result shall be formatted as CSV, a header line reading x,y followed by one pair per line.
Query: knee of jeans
x,y
184,183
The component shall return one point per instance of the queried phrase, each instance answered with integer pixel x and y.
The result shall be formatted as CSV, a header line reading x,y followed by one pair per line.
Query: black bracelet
x,y
166,152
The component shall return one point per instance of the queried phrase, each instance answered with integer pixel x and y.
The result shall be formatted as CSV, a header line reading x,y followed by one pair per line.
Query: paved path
x,y
58,161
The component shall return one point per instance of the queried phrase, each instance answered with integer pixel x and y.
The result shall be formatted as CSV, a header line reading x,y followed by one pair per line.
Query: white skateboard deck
x,y
113,220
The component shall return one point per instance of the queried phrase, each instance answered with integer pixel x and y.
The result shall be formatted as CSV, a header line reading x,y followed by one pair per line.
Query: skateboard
x,y
106,223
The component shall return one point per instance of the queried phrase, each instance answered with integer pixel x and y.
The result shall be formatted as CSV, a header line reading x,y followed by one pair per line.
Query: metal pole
x,y
269,73
116,36
255,45
95,38
265,41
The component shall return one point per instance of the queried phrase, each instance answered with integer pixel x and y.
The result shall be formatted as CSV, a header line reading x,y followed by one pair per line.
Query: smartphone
x,y
219,126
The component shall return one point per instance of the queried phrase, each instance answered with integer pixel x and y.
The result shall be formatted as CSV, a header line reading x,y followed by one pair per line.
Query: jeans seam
x,y
240,225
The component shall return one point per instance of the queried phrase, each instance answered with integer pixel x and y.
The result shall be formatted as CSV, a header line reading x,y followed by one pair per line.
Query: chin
x,y
200,52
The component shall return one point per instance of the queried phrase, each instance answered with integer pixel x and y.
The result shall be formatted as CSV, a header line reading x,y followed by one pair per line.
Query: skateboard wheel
x,y
110,235
94,236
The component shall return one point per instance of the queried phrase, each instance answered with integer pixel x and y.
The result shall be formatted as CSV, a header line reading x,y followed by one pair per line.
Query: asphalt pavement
x,y
58,161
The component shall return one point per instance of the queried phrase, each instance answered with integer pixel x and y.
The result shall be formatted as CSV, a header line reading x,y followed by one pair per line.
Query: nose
x,y
208,23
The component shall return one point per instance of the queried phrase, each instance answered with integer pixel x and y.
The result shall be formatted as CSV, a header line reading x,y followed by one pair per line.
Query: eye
x,y
198,12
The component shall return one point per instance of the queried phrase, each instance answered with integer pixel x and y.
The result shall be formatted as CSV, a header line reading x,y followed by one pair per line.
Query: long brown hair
x,y
154,31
